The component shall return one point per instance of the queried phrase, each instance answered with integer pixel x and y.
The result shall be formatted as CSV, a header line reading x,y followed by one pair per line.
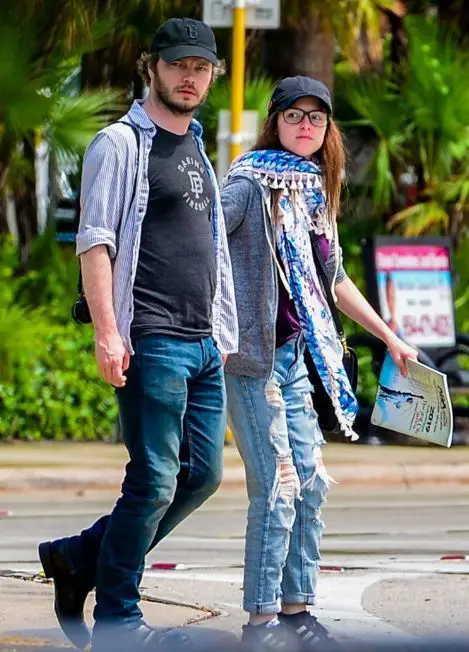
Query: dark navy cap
x,y
184,37
293,88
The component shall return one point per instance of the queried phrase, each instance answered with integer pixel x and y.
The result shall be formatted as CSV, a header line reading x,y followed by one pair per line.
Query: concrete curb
x,y
79,480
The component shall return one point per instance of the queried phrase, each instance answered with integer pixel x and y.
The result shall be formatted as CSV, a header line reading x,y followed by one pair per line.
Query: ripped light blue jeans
x,y
279,439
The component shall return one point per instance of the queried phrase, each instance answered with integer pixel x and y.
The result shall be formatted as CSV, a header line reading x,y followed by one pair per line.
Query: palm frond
x,y
23,104
422,218
438,95
75,120
377,101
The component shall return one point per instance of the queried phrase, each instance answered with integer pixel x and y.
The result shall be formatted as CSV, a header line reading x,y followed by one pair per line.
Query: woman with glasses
x,y
277,198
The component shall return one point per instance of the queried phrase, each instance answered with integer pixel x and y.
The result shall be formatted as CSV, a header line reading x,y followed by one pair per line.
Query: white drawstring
x,y
281,272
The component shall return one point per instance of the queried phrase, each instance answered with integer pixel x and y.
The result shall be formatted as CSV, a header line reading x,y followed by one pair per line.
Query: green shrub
x,y
57,394
49,383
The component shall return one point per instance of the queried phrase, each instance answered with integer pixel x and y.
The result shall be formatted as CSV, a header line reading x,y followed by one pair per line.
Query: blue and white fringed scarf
x,y
302,209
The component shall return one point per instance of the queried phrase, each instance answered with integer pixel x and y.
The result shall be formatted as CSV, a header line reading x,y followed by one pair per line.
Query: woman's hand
x,y
401,352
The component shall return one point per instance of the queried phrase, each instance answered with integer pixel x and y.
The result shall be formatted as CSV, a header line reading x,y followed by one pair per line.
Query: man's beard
x,y
162,94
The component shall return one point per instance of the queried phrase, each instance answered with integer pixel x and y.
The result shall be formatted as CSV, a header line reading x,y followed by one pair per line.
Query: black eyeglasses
x,y
295,116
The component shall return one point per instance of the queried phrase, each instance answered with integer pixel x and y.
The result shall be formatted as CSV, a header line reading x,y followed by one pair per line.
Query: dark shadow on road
x,y
192,639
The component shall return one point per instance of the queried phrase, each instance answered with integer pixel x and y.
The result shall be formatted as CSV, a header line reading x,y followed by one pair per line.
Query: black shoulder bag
x,y
80,309
322,403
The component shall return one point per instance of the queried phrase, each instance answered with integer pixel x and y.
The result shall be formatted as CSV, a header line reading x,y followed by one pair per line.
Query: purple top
x,y
288,324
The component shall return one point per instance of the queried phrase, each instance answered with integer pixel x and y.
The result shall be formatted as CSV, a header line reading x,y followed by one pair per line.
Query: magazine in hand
x,y
418,405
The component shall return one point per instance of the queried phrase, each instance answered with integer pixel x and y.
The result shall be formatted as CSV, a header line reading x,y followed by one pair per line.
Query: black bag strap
x,y
322,273
134,189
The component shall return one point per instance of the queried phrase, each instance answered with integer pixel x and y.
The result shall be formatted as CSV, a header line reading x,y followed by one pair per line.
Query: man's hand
x,y
112,357
224,356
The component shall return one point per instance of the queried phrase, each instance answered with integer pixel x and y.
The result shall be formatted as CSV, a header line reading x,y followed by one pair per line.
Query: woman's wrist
x,y
389,337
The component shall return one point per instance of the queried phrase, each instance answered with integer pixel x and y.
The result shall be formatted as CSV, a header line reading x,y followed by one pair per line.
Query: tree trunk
x,y
455,14
104,69
26,208
399,44
306,49
3,217
313,51
7,148
96,70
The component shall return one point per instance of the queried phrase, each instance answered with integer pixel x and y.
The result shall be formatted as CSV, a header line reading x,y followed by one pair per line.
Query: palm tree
x,y
105,36
36,60
134,22
312,30
420,134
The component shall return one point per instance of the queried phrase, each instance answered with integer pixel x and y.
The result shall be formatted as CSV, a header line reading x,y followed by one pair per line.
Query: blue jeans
x,y
279,439
172,413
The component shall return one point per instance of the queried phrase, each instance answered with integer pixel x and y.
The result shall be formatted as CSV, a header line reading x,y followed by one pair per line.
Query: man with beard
x,y
157,279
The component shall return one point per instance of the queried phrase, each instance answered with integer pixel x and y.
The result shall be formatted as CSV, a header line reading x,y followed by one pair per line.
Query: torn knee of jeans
x,y
273,395
278,425
318,522
288,482
320,480
312,416
308,403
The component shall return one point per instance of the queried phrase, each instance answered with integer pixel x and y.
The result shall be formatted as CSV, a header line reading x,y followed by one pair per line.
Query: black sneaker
x,y
270,637
310,633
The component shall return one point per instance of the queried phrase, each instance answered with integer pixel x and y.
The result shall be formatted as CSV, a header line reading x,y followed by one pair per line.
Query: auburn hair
x,y
331,157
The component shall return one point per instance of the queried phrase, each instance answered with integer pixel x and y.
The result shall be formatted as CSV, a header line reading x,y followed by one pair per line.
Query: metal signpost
x,y
240,14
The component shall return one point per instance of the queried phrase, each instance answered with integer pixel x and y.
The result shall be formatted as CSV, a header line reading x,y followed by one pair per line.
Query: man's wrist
x,y
105,332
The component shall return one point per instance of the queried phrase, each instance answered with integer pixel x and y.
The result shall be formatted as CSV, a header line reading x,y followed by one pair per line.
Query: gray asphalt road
x,y
388,543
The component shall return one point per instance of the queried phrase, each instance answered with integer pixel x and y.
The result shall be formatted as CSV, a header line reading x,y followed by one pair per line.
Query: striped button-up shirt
x,y
112,215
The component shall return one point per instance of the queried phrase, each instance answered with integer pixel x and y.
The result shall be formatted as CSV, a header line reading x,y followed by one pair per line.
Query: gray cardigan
x,y
255,275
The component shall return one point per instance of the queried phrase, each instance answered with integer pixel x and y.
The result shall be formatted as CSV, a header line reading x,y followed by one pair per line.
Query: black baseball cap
x,y
291,89
184,37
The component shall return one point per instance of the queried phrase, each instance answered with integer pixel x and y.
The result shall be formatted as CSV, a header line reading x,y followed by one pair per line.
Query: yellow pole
x,y
237,82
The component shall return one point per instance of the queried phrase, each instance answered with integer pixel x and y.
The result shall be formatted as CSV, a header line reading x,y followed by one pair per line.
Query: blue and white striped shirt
x,y
109,217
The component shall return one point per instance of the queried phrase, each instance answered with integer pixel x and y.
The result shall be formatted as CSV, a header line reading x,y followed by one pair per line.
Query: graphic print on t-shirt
x,y
195,196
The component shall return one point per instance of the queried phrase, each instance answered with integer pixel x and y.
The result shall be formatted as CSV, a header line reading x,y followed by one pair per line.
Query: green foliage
x,y
462,287
349,20
73,121
49,383
55,392
51,280
35,68
418,129
22,106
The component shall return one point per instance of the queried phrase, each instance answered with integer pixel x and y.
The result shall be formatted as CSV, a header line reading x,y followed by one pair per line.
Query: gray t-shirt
x,y
176,273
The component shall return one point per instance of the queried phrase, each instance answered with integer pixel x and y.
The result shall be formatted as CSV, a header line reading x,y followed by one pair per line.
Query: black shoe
x,y
311,634
271,637
70,594
118,638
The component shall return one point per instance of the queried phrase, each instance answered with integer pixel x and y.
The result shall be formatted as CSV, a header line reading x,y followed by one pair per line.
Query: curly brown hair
x,y
331,155
147,60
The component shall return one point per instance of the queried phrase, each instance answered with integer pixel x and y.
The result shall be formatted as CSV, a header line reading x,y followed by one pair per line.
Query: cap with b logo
x,y
184,37
293,88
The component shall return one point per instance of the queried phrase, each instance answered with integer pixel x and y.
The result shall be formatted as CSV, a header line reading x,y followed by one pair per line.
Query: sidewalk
x,y
100,466
23,600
